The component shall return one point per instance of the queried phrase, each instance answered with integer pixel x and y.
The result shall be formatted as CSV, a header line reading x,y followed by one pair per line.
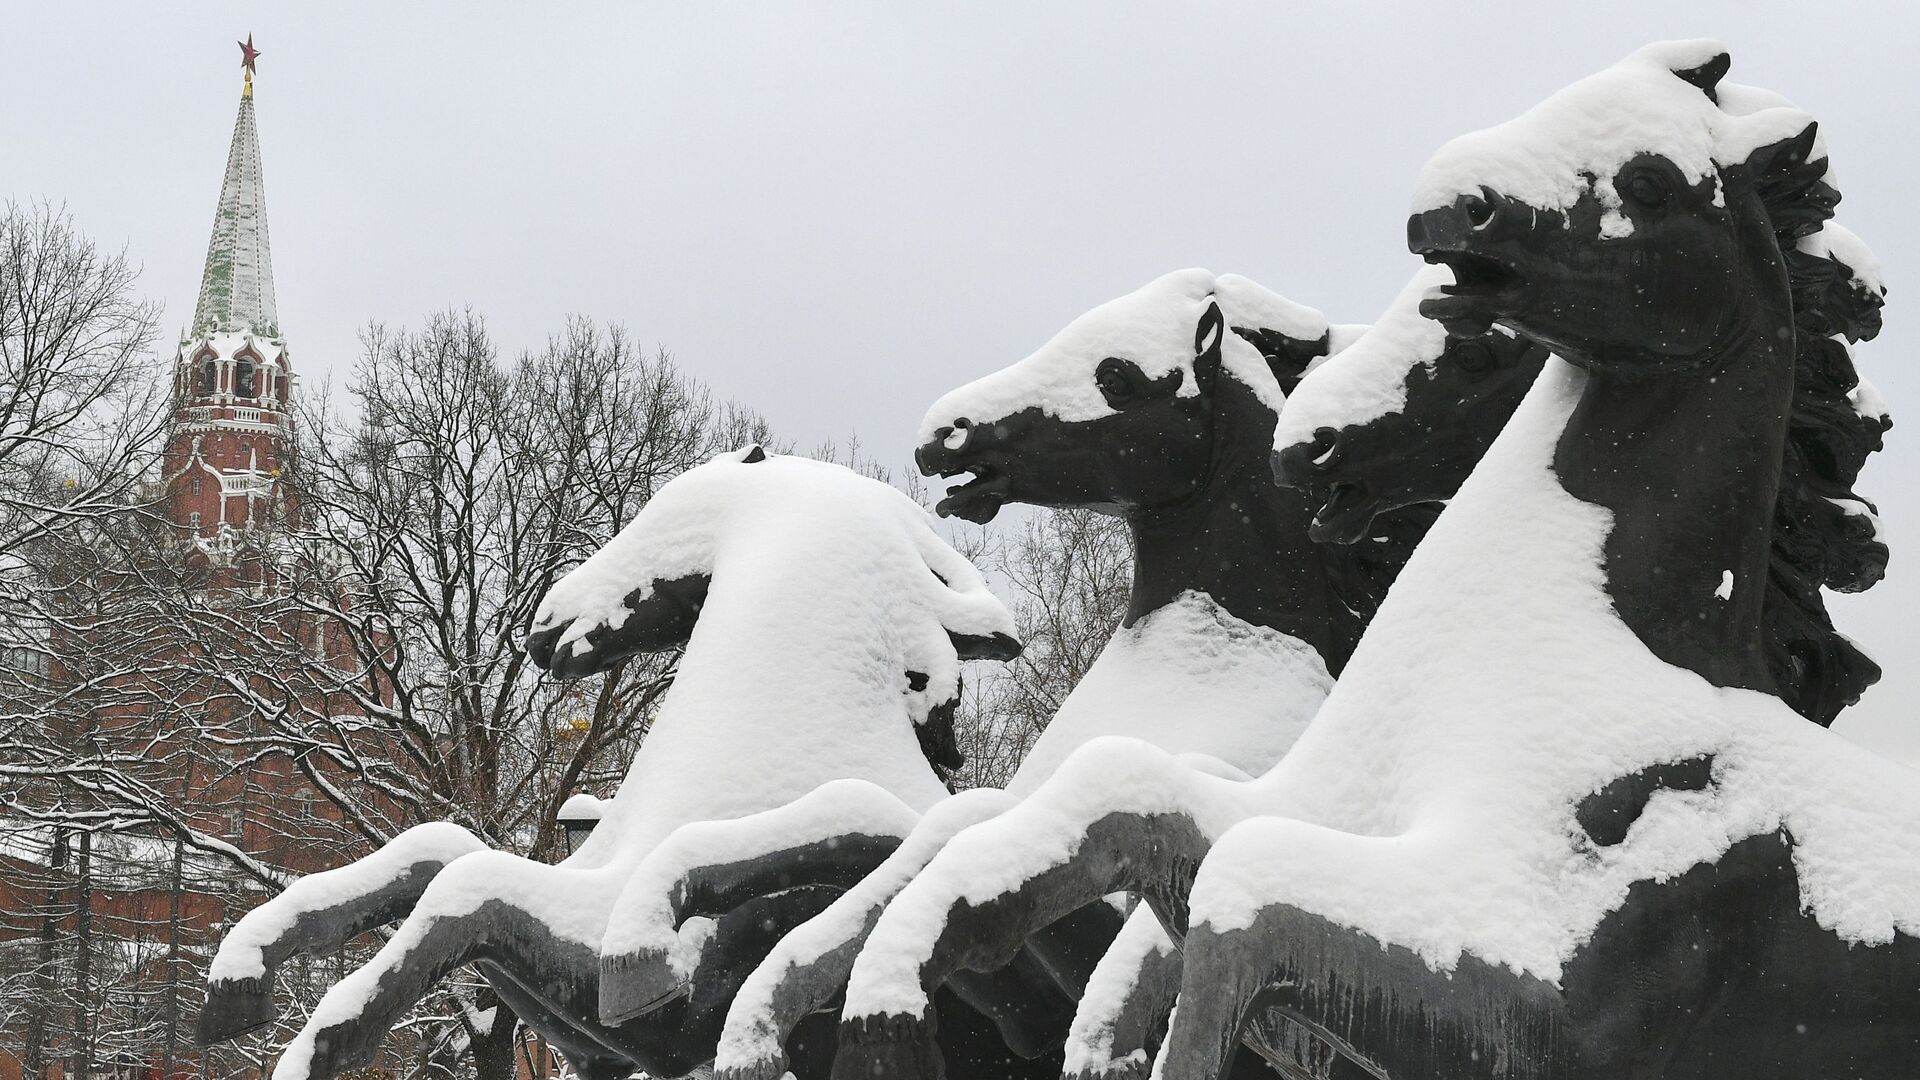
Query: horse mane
x,y
1358,574
1824,534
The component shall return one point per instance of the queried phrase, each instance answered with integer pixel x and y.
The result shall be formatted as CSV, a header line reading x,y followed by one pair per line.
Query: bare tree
x,y
353,668
80,417
80,411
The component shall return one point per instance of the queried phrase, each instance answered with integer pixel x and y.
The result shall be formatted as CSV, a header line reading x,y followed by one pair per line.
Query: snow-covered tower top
x,y
236,289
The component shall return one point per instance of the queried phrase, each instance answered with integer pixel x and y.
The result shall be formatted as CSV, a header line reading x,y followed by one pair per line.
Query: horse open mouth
x,y
1346,515
977,500
1481,284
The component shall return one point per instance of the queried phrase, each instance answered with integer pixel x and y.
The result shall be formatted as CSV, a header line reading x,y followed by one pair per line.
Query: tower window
x,y
243,379
193,486
193,520
210,377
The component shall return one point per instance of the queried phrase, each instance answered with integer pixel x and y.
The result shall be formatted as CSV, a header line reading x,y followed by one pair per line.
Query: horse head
x,y
1401,416
1620,222
1133,407
645,590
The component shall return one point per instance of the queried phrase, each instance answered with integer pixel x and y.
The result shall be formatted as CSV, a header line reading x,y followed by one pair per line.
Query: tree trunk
x,y
173,960
493,1057
45,992
83,1004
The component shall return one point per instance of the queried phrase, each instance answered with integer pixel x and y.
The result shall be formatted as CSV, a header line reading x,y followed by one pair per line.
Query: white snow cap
x,y
1368,378
581,806
1189,678
827,589
1153,327
1578,139
748,500
1839,243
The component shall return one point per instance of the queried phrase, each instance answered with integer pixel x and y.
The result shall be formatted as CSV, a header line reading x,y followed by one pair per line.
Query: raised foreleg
x,y
1123,1016
834,836
464,916
320,913
586,1055
809,967
1119,816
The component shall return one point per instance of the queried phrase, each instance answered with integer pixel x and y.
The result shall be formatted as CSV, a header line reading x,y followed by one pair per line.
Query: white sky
x,y
836,218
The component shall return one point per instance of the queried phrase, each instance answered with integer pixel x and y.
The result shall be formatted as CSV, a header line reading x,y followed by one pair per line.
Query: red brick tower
x,y
233,379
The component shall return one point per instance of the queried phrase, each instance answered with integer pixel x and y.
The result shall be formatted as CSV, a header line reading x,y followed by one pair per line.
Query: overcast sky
x,y
835,217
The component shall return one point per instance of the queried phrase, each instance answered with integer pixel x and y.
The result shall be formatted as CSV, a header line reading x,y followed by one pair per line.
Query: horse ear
x,y
1206,346
994,646
1287,357
1707,75
1784,155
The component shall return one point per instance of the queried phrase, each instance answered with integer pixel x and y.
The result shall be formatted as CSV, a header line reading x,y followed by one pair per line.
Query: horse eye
x,y
1113,382
1649,189
1473,357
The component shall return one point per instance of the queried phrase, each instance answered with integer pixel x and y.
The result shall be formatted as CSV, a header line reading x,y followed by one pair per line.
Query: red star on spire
x,y
247,53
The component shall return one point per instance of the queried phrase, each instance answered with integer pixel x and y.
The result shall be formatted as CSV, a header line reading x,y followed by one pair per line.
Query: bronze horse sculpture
x,y
1176,438
1133,819
1693,908
1156,406
734,561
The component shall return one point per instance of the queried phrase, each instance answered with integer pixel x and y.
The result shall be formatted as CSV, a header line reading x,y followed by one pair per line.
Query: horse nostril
x,y
1297,464
955,437
1320,451
1479,209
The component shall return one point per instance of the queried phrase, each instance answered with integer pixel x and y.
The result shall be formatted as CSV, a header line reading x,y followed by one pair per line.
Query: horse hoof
x,y
234,1007
898,1047
636,984
888,1048
763,1069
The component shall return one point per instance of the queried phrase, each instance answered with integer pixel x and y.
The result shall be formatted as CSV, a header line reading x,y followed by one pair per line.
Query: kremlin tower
x,y
233,379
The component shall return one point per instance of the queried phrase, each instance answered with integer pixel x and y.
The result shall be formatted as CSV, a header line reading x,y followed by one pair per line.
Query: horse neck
x,y
1242,540
764,665
767,681
1690,467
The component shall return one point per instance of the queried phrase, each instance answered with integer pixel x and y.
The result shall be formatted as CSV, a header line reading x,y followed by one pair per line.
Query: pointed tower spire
x,y
236,290
233,378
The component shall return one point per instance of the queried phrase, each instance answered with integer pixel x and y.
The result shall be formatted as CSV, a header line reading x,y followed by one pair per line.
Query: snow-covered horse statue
x,y
1157,406
1521,701
1595,850
1263,568
1408,422
824,623
1411,433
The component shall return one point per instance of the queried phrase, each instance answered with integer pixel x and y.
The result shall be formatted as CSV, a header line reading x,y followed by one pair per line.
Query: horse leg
x,y
1123,1017
586,1055
320,913
808,969
833,836
1070,947
1055,863
446,930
